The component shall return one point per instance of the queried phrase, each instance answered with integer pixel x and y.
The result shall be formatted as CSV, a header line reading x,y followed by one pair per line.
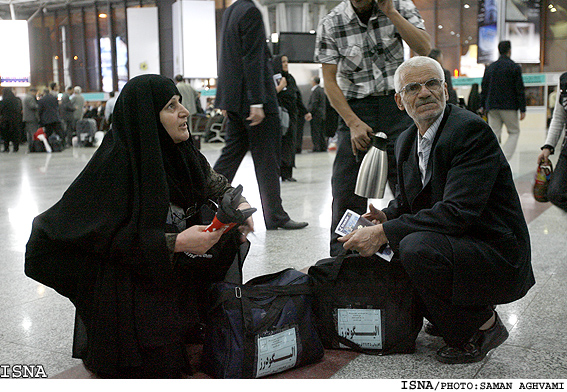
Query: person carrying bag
x,y
557,187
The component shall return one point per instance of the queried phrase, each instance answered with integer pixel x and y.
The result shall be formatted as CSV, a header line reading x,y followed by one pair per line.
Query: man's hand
x,y
365,241
375,215
359,138
386,6
256,116
522,115
308,117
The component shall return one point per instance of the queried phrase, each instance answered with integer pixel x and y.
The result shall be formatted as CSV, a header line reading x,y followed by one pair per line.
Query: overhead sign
x,y
15,49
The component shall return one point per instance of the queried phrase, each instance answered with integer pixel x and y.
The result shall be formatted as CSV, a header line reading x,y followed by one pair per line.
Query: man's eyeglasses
x,y
413,88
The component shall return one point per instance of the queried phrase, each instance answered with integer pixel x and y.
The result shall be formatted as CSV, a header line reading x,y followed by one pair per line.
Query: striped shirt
x,y
424,144
367,56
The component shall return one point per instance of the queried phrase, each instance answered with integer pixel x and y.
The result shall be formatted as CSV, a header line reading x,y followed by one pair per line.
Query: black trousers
x,y
429,259
382,115
318,134
10,132
557,191
288,147
264,143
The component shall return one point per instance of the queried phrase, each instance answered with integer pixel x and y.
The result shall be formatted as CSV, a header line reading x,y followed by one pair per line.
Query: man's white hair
x,y
77,90
417,61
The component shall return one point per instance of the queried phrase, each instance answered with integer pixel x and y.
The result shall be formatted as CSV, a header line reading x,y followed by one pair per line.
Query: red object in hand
x,y
218,225
228,215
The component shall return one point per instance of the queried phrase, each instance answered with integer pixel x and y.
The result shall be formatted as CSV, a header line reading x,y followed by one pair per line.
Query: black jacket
x,y
469,192
48,110
317,104
503,87
245,66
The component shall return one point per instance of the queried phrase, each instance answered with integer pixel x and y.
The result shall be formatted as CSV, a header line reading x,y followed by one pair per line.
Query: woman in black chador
x,y
115,243
10,120
289,97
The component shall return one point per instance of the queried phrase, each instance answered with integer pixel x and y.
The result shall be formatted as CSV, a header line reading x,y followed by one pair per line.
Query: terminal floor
x,y
36,324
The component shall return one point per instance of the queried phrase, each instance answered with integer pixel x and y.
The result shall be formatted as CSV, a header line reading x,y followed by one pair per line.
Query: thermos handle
x,y
379,141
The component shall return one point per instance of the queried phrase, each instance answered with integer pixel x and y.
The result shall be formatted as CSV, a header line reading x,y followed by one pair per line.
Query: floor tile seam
x,y
530,303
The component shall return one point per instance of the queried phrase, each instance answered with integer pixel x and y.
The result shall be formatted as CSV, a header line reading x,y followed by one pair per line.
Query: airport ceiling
x,y
24,9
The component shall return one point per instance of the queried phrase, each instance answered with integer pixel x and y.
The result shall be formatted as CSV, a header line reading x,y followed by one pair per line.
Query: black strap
x,y
355,347
234,273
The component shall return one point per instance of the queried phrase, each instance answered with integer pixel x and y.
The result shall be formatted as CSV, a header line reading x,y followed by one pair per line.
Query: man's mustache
x,y
425,101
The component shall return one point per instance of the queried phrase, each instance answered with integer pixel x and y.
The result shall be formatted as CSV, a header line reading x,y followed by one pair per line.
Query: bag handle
x,y
234,273
337,264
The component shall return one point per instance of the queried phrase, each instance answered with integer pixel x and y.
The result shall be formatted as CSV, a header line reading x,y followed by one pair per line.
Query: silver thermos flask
x,y
373,172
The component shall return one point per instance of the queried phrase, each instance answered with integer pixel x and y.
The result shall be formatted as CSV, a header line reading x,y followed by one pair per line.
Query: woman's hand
x,y
375,215
197,241
248,226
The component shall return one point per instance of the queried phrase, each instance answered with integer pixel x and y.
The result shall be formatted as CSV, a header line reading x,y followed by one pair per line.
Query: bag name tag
x,y
361,326
276,352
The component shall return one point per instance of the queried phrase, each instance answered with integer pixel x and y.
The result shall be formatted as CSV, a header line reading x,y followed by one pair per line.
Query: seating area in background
x,y
208,129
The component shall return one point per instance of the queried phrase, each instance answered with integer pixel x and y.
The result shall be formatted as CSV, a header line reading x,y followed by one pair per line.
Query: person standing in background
x,y
78,102
473,104
188,95
557,191
48,111
247,95
316,106
29,115
109,107
10,119
67,114
502,95
360,46
437,55
54,89
290,98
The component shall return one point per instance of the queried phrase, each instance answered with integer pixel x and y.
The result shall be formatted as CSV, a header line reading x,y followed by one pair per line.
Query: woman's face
x,y
174,119
285,64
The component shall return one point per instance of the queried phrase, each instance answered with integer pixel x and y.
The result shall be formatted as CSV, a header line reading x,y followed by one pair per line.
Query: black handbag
x,y
262,327
366,304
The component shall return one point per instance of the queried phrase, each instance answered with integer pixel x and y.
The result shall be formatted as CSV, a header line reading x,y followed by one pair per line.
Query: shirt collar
x,y
431,131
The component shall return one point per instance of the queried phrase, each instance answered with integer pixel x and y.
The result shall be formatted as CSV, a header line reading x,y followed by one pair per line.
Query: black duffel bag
x,y
263,327
366,304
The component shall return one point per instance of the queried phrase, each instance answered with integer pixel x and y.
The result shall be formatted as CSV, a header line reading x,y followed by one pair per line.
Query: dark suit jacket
x,y
245,68
503,87
48,109
317,104
470,195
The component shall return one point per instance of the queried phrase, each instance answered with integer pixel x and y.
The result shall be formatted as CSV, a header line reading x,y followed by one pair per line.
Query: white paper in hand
x,y
352,221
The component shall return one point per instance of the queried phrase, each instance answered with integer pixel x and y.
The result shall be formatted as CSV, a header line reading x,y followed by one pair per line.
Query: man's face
x,y
425,102
362,5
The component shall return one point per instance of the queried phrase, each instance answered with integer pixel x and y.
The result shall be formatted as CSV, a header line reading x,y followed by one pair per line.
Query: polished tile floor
x,y
36,324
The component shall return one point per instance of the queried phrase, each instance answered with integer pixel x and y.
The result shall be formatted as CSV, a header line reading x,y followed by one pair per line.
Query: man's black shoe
x,y
431,329
290,225
477,347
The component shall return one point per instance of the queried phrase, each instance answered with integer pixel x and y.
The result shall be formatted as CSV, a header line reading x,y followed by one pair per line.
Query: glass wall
x,y
81,46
